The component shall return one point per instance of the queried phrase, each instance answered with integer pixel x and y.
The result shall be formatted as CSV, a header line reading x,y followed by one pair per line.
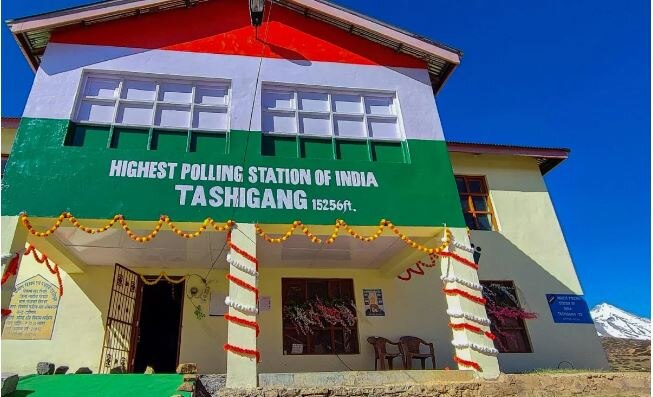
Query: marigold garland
x,y
242,351
241,251
121,220
44,259
464,294
243,322
473,328
460,259
165,276
467,363
12,269
244,284
341,224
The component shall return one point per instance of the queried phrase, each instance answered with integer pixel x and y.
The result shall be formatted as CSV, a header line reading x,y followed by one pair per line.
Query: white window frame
x,y
362,93
158,80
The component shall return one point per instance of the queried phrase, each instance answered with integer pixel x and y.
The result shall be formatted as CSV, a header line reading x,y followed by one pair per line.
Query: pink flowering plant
x,y
314,313
503,307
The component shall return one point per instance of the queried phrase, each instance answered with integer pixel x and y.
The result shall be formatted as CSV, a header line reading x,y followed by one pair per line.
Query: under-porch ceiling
x,y
170,251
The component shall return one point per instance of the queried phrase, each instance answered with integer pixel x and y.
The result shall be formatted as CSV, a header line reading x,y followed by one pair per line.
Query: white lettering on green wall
x,y
225,195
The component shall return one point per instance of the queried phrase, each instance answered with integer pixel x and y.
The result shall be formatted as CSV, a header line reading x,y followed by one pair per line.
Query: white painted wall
x,y
57,81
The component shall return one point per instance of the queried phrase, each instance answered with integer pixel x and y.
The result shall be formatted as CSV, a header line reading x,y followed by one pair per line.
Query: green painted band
x,y
58,166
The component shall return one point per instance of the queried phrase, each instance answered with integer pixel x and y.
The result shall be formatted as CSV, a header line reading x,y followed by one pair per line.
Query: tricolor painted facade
x,y
163,119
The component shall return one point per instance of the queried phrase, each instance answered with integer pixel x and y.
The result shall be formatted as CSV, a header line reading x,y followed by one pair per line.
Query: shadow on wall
x,y
552,343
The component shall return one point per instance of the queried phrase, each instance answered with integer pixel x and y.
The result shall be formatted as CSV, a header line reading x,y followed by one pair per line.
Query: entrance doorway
x,y
159,330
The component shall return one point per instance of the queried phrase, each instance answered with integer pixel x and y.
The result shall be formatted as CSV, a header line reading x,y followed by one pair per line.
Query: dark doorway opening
x,y
159,330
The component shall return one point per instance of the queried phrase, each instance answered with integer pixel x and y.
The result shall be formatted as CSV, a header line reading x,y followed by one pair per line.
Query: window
x,y
148,102
319,316
507,317
330,114
475,201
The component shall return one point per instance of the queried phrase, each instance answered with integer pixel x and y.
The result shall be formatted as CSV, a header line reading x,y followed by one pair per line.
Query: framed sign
x,y
569,308
373,300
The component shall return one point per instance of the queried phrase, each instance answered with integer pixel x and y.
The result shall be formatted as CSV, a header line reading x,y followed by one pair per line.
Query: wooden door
x,y
123,316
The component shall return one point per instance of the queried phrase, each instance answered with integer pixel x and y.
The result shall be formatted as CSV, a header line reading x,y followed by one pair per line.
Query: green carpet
x,y
130,385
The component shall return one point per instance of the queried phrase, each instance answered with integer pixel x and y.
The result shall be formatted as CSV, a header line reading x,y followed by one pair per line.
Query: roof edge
x,y
548,157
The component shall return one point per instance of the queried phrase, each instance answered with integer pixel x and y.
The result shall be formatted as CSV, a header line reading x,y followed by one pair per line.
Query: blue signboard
x,y
569,308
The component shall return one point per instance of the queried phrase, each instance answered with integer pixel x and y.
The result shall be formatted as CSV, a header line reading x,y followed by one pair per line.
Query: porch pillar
x,y
14,237
470,346
242,301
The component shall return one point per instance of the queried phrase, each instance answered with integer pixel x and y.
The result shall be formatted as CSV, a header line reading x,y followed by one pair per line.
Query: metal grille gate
x,y
122,321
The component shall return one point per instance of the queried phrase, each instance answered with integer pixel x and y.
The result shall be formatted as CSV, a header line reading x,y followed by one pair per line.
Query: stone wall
x,y
531,385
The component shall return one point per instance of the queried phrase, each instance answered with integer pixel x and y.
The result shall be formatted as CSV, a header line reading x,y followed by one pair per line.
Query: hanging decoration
x,y
464,294
468,316
472,328
243,351
44,259
474,346
248,309
467,363
241,266
468,284
12,268
163,275
121,220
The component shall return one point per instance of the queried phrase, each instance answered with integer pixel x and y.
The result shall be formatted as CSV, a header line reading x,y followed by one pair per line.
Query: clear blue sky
x,y
555,73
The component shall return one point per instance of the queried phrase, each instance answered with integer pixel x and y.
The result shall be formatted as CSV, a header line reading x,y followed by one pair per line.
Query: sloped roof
x,y
33,33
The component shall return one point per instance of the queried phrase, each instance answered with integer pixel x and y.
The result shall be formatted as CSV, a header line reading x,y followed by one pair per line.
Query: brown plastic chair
x,y
380,352
410,349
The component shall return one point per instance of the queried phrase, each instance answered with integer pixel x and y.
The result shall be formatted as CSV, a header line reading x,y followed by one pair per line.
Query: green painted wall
x,y
57,166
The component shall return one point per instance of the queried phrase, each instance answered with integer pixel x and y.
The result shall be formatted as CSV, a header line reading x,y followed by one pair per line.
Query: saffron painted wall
x,y
529,249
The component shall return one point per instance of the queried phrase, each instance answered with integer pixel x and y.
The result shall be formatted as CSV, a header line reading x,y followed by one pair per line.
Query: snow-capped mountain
x,y
617,323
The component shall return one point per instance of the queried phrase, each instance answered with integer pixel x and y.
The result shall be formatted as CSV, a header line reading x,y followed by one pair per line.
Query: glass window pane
x,y
379,106
321,342
480,203
315,124
313,101
464,202
469,220
136,114
278,122
460,184
382,128
476,185
351,126
343,103
278,100
101,112
210,119
138,90
101,87
175,92
172,116
484,221
206,95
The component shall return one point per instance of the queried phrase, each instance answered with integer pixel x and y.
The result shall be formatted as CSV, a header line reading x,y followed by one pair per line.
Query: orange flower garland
x,y
44,259
467,363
